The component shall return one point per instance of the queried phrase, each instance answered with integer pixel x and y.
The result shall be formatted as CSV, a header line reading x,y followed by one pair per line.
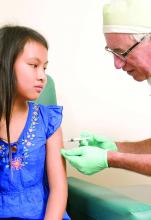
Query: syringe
x,y
77,139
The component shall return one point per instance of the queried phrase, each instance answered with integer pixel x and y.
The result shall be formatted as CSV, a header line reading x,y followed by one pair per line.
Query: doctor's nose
x,y
118,62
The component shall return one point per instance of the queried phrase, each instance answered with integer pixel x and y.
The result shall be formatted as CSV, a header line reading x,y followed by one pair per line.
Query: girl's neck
x,y
19,106
18,120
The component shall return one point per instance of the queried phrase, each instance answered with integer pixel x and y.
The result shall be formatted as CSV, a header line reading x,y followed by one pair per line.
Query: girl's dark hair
x,y
12,42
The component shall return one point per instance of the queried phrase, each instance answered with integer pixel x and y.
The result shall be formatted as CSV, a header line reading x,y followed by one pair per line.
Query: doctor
x,y
127,31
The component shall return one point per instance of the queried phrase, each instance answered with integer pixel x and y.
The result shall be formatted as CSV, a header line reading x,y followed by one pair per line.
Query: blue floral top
x,y
24,190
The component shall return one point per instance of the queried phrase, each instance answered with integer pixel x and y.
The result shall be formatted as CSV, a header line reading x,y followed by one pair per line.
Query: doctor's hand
x,y
98,141
87,160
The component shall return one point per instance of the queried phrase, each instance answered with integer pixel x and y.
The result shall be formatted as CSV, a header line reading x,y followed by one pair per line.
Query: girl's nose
x,y
118,62
41,74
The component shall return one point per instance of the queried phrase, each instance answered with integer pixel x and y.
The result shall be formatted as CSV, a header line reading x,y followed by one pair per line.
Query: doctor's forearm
x,y
140,147
140,163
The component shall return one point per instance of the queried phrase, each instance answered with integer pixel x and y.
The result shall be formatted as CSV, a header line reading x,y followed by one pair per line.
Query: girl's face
x,y
29,69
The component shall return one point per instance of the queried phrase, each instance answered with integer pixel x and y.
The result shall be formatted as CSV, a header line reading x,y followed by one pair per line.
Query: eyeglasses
x,y
123,55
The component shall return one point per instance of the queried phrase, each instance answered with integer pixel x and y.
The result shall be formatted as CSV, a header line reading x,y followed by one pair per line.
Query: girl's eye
x,y
33,65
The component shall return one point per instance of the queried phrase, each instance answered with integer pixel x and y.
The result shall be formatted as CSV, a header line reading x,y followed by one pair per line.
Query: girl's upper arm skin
x,y
56,171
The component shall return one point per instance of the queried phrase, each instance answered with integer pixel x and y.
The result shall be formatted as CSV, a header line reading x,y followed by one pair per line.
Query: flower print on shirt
x,y
19,160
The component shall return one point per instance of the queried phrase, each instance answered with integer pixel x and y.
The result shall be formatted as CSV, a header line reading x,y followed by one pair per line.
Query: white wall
x,y
95,96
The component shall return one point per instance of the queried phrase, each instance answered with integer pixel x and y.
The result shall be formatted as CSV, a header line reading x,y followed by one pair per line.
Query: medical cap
x,y
127,16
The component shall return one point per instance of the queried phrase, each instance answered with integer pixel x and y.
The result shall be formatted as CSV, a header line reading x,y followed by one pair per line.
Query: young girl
x,y
30,134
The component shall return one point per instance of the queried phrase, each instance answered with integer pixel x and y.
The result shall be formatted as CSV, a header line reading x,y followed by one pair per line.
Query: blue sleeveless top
x,y
24,189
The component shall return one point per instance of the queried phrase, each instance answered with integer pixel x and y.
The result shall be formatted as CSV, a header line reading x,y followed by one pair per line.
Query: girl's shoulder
x,y
50,109
49,116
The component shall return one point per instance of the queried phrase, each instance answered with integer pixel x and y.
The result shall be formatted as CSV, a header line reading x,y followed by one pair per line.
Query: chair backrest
x,y
48,95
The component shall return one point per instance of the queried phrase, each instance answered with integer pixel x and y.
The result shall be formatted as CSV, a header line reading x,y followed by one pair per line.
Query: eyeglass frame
x,y
123,55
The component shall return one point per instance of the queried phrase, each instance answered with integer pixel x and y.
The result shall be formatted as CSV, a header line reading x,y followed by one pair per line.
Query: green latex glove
x,y
97,141
87,160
